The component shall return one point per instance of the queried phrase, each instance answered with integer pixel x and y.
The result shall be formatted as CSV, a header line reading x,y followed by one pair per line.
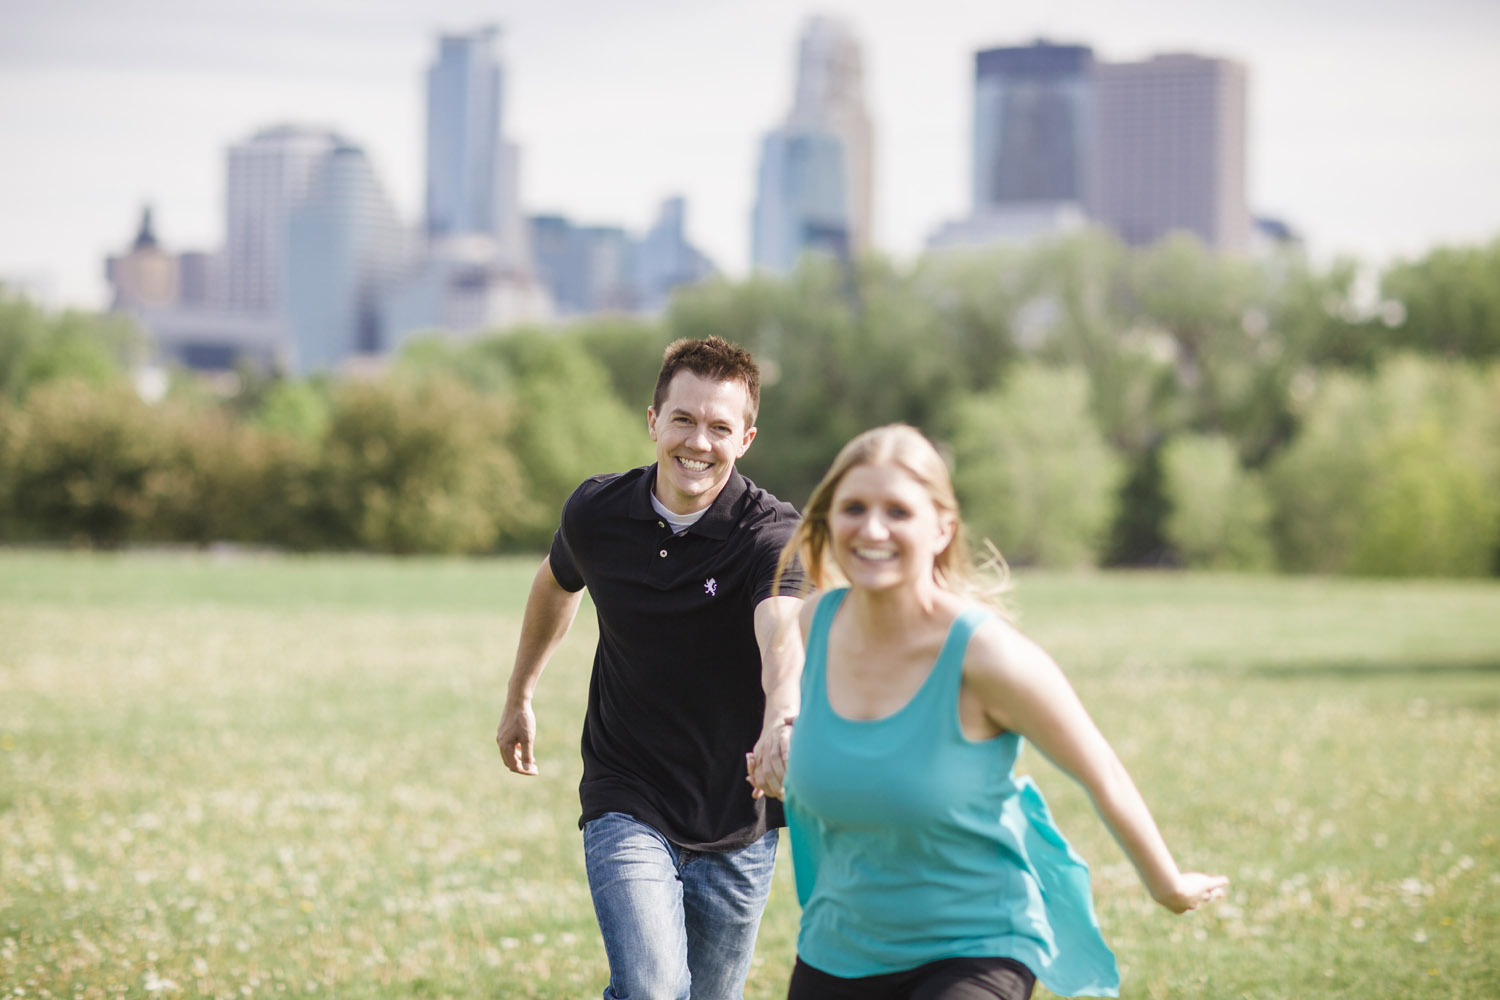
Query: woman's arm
x,y
1021,688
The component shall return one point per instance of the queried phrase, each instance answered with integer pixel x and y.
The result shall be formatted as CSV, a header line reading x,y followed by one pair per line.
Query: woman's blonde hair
x,y
906,448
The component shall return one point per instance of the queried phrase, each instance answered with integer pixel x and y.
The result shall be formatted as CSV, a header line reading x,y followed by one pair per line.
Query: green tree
x,y
1032,470
294,408
78,462
37,347
419,468
568,426
1390,469
1449,302
1219,514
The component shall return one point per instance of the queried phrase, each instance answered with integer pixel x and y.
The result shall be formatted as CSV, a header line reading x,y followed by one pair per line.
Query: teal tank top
x,y
913,843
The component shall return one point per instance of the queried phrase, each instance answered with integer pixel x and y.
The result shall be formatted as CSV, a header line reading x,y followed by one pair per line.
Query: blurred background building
x,y
815,183
318,273
1171,150
1061,140
473,169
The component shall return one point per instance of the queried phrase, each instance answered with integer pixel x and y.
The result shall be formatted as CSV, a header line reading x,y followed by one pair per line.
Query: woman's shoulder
x,y
827,600
997,649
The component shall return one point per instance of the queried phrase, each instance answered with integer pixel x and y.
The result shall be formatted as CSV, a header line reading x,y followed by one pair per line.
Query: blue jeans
x,y
677,924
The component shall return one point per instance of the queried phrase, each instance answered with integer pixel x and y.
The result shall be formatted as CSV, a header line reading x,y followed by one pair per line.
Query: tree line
x,y
1165,406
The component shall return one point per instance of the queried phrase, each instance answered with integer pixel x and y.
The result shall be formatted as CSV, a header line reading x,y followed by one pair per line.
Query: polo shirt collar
x,y
716,522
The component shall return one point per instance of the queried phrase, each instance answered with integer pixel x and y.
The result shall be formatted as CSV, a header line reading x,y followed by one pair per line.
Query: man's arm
x,y
780,641
549,614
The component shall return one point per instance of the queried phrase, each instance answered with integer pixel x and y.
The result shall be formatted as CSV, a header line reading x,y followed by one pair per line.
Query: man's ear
x,y
651,421
745,444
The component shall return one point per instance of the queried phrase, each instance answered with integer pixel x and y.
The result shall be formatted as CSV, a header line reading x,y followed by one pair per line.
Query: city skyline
x,y
1372,130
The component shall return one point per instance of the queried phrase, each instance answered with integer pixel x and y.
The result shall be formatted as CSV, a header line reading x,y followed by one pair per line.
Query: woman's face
x,y
885,529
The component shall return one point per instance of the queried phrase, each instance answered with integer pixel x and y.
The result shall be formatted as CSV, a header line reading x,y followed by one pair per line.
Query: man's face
x,y
699,432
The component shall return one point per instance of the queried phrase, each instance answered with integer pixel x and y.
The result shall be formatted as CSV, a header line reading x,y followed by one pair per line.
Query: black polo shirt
x,y
675,700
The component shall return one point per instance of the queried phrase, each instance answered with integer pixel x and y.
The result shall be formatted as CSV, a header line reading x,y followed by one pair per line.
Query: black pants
x,y
945,979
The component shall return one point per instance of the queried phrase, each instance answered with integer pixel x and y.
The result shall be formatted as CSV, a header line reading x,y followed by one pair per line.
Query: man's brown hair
x,y
712,358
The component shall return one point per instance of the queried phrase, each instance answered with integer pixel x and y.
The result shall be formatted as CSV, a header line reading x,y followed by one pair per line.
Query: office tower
x,y
830,97
586,269
472,169
268,176
1033,125
815,184
664,259
345,247
200,278
591,269
1171,150
1032,151
803,199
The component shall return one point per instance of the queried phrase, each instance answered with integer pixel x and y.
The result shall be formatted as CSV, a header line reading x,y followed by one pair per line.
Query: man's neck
x,y
679,522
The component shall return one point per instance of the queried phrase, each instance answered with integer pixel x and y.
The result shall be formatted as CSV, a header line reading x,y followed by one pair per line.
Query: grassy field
x,y
245,776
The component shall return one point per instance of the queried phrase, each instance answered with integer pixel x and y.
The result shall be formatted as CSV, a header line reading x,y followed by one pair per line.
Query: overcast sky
x,y
1374,125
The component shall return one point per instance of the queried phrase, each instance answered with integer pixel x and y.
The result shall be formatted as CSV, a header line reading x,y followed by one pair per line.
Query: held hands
x,y
1192,890
765,766
515,738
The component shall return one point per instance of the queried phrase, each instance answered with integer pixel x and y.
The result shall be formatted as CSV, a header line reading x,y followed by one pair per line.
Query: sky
x,y
1374,126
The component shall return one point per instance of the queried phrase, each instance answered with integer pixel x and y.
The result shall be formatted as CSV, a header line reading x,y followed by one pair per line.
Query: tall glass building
x,y
269,174
472,169
803,199
346,247
1033,125
815,180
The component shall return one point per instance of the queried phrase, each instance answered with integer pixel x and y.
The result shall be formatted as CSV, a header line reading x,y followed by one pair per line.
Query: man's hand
x,y
516,736
765,766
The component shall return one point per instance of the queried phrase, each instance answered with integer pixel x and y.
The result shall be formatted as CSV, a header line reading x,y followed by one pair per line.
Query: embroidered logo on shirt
x,y
711,586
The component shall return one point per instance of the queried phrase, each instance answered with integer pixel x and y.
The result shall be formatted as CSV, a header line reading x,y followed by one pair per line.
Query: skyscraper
x,y
346,248
269,174
1171,150
472,169
831,97
815,180
1033,125
803,199
1032,152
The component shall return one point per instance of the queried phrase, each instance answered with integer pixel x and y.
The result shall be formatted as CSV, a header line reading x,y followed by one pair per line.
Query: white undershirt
x,y
679,522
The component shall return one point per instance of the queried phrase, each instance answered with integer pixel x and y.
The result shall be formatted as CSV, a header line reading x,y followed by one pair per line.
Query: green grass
x,y
261,776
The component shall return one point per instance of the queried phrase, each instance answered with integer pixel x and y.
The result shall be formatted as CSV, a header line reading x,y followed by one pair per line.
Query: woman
x,y
924,866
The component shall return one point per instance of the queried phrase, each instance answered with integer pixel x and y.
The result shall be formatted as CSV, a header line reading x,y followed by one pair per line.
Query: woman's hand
x,y
1192,890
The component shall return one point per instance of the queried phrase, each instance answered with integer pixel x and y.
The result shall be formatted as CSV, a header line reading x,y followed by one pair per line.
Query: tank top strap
x,y
948,670
951,657
814,666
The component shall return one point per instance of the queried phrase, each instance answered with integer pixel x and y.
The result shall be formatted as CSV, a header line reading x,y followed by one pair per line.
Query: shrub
x,y
1219,514
1397,473
1033,472
416,468
79,460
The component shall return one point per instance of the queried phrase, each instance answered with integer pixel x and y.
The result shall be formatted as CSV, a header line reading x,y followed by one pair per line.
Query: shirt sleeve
x,y
564,567
771,539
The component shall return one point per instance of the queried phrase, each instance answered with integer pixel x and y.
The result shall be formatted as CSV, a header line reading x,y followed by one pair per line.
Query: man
x,y
697,660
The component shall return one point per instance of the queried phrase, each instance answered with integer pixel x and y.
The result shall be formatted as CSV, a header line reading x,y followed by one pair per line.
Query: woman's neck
x,y
896,612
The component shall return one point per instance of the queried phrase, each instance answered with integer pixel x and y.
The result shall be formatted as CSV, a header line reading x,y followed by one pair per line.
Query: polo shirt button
x,y
664,553
661,524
